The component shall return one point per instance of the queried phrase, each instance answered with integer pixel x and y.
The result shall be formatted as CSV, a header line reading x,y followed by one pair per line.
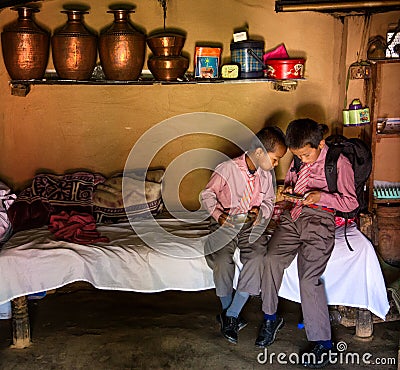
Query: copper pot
x,y
166,44
25,46
74,48
122,48
168,68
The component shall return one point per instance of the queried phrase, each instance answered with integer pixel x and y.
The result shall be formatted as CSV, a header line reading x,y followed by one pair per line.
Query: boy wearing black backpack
x,y
308,230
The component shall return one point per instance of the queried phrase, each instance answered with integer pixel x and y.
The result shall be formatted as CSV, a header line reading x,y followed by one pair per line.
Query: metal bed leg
x,y
20,323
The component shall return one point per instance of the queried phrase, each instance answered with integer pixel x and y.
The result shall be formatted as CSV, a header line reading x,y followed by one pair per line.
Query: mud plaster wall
x,y
60,128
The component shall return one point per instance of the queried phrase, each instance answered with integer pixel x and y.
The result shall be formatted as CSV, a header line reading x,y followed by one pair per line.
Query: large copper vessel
x,y
122,48
25,46
74,48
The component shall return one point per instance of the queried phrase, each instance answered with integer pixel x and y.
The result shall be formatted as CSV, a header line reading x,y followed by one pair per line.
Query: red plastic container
x,y
284,69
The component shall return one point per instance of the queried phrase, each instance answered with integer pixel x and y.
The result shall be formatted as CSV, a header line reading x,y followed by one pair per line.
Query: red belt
x,y
322,208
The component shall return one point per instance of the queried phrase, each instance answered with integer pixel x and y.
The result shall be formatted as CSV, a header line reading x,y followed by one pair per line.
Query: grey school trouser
x,y
312,238
251,256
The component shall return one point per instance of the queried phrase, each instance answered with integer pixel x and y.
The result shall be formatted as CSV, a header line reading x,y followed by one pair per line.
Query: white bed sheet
x,y
33,261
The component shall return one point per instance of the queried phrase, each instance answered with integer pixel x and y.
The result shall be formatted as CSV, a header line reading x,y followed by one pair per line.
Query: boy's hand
x,y
311,197
223,220
292,197
255,210
257,215
288,190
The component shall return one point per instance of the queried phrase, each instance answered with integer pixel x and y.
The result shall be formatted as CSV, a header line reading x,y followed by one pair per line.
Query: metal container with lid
x,y
242,52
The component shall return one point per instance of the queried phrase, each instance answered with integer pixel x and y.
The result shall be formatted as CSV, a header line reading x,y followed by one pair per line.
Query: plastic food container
x,y
284,69
242,52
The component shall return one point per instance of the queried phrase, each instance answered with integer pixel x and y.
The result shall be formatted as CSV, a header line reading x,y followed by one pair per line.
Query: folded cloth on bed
x,y
114,205
75,227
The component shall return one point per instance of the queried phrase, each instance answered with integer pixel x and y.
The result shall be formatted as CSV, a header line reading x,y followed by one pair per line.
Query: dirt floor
x,y
92,329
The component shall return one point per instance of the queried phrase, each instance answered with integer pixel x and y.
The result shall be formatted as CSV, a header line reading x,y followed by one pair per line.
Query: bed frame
x,y
362,319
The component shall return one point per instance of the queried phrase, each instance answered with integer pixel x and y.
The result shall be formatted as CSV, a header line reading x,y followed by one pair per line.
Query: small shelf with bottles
x,y
384,132
387,193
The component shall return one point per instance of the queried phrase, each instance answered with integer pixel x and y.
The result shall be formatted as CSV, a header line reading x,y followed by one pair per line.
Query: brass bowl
x,y
168,68
166,44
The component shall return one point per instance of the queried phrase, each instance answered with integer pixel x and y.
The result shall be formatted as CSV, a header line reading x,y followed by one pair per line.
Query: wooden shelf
x,y
147,81
22,87
386,201
387,136
385,60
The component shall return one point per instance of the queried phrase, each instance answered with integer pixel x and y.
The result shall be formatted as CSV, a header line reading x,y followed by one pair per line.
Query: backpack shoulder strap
x,y
296,164
332,156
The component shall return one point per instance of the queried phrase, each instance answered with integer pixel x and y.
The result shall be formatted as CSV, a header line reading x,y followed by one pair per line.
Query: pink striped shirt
x,y
346,199
227,186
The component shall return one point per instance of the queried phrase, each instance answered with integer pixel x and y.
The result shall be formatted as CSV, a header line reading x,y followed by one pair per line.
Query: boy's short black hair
x,y
267,139
301,132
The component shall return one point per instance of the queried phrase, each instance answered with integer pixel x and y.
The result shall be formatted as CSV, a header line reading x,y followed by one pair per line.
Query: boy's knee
x,y
260,250
257,252
219,258
309,282
270,258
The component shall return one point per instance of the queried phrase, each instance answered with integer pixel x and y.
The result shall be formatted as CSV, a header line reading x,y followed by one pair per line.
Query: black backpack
x,y
360,157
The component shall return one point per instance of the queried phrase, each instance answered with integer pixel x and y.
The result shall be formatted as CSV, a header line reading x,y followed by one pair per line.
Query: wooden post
x,y
20,323
366,225
364,325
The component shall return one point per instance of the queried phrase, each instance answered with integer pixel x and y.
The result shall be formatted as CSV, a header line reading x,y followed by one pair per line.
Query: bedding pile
x,y
87,192
51,194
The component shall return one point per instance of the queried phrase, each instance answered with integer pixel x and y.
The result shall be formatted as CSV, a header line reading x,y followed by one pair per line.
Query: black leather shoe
x,y
268,330
229,327
242,322
318,357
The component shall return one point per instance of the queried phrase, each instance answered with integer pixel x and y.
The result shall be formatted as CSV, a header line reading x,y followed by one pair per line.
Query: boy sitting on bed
x,y
307,230
240,198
